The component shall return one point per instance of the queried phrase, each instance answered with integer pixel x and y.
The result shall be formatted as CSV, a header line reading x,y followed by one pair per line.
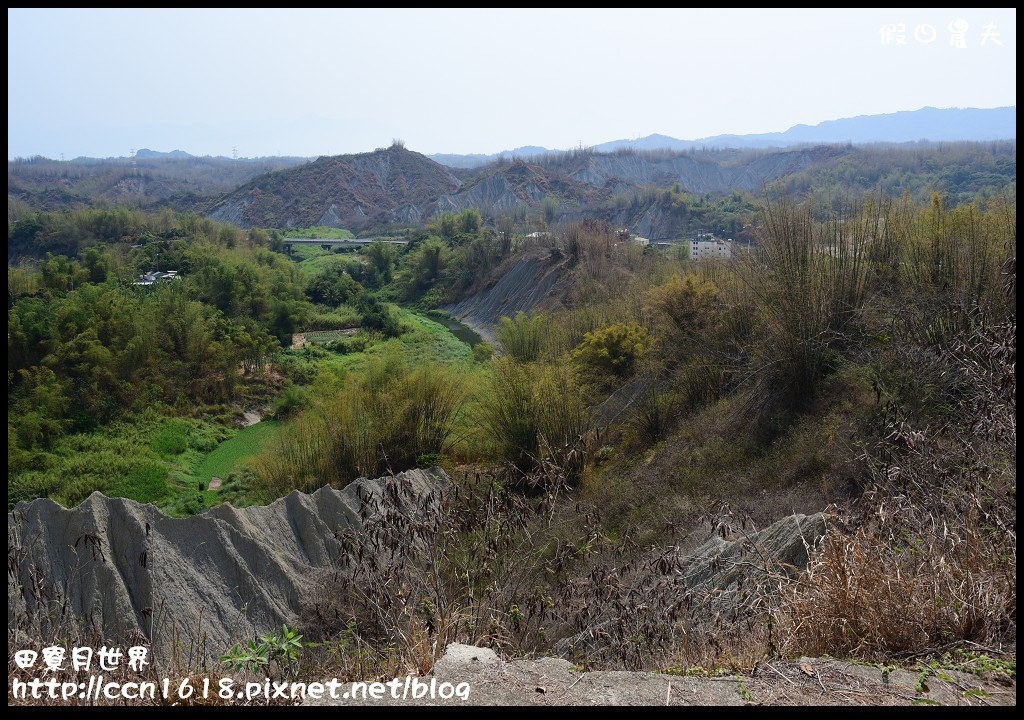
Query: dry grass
x,y
928,559
902,588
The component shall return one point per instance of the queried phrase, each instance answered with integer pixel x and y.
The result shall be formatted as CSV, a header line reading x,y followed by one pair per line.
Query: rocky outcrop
x,y
127,570
725,565
494,194
714,587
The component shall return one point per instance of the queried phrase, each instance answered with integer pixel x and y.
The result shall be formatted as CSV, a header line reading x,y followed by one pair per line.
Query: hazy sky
x,y
317,82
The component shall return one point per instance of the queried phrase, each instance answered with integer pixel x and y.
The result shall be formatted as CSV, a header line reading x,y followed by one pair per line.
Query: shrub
x,y
807,281
333,286
483,351
378,315
651,414
292,399
905,584
684,306
171,439
611,352
344,316
685,301
357,343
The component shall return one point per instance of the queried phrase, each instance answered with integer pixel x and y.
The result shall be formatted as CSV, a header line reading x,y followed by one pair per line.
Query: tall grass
x,y
528,337
893,587
806,283
388,417
535,414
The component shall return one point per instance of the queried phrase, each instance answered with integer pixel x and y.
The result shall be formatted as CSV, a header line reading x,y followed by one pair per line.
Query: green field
x,y
314,259
424,339
148,459
231,453
322,337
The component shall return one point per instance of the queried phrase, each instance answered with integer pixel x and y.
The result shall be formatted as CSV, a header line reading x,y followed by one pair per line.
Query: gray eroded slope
x,y
128,570
523,287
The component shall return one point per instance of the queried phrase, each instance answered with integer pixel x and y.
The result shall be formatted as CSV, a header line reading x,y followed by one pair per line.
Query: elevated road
x,y
339,242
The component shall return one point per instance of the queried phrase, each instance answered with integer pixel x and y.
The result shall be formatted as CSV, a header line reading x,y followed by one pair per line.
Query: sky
x,y
324,82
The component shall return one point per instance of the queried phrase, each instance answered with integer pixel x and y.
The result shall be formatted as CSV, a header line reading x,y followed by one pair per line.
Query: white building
x,y
155,276
706,246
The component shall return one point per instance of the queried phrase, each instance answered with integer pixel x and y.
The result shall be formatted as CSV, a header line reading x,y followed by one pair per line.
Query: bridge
x,y
328,243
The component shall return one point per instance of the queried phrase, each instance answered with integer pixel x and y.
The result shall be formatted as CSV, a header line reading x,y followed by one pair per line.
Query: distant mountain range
x,y
926,124
147,154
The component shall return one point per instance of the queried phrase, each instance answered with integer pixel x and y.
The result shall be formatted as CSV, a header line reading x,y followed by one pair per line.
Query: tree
x,y
425,267
550,208
382,257
470,221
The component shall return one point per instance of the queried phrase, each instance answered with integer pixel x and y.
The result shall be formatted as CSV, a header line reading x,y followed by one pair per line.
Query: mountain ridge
x,y
933,125
398,186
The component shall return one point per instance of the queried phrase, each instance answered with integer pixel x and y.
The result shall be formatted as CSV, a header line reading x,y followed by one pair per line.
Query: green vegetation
x,y
420,339
611,352
89,352
275,654
741,688
533,413
975,663
245,444
323,337
313,258
527,337
147,459
958,172
483,351
387,417
146,483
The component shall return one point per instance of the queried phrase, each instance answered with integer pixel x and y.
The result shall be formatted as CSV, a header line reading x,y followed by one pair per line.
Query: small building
x,y
624,235
705,246
155,276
